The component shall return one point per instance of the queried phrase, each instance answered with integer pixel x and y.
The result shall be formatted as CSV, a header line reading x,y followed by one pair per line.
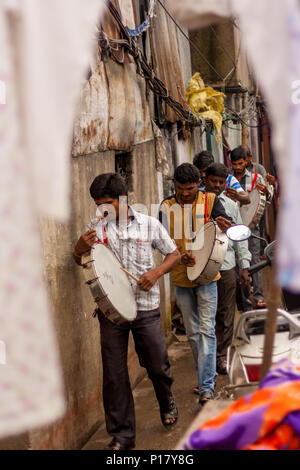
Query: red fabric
x,y
206,209
254,181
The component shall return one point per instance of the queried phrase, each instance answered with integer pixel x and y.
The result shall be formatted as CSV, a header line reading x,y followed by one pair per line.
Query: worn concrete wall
x,y
77,331
72,304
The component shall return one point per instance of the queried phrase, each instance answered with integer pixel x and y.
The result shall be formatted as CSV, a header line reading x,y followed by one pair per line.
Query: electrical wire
x,y
108,45
143,68
240,119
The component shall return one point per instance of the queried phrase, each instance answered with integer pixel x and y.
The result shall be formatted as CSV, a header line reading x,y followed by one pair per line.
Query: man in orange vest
x,y
198,303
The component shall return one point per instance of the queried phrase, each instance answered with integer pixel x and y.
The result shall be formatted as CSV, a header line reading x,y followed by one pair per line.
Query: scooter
x,y
245,355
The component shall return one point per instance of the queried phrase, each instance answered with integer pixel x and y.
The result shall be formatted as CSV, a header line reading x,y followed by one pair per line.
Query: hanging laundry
x,y
289,250
267,419
206,102
42,62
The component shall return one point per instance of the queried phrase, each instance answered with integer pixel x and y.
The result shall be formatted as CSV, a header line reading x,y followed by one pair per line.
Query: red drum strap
x,y
206,209
254,181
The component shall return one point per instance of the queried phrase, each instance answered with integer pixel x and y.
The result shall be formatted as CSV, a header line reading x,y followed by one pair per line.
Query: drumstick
x,y
129,274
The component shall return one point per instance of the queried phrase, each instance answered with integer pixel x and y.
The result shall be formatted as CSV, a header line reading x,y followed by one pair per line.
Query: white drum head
x,y
204,240
114,282
249,211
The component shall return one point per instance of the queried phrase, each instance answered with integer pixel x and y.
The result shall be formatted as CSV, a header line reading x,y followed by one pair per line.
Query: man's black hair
x,y
203,159
110,185
247,150
217,169
187,173
238,154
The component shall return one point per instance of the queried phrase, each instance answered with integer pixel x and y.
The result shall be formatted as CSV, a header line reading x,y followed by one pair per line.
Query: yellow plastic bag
x,y
206,102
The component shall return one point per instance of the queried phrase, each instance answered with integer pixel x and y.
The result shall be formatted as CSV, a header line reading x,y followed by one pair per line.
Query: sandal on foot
x,y
205,397
171,413
116,445
196,390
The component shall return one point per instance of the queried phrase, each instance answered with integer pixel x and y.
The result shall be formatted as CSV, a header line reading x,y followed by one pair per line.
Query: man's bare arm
x,y
242,196
84,244
148,279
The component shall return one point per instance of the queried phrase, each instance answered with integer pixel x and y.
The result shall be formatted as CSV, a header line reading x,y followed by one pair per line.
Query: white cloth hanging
x,y
289,222
44,50
54,44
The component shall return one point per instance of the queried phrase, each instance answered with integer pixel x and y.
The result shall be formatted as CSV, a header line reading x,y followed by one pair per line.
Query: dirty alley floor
x,y
151,435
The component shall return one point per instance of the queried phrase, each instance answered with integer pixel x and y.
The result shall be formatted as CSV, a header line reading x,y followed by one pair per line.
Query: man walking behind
x,y
133,238
216,175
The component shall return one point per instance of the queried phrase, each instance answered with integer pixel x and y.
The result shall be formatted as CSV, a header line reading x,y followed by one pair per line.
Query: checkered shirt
x,y
134,245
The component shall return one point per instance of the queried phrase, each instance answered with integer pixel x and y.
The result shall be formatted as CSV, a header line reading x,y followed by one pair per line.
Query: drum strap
x,y
104,234
254,181
206,209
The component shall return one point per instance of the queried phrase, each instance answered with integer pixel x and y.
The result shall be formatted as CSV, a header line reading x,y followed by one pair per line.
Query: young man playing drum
x,y
249,182
254,167
198,303
216,175
133,237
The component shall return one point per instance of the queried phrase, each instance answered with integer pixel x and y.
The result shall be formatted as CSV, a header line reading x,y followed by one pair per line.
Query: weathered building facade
x,y
228,70
124,126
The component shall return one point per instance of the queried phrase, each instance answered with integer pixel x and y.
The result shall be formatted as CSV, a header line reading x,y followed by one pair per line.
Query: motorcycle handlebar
x,y
257,267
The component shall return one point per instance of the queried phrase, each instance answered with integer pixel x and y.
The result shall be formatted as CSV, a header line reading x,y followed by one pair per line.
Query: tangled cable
x,y
129,43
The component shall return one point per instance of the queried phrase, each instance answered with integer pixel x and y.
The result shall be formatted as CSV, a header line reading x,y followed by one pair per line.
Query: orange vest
x,y
183,225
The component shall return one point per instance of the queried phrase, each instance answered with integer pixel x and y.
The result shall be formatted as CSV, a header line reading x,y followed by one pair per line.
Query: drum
x,y
253,212
213,244
109,285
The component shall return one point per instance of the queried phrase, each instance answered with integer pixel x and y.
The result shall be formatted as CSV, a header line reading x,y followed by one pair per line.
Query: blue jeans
x,y
198,306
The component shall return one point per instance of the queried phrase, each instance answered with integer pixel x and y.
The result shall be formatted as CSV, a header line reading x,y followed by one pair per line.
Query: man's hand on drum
x,y
223,223
245,278
188,260
271,179
262,187
85,242
147,280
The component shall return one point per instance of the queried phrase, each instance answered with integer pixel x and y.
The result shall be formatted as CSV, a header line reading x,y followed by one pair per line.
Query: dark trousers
x,y
242,298
243,302
150,345
225,311
257,278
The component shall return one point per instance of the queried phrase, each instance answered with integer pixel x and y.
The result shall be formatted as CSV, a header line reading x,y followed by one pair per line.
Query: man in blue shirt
x,y
216,176
232,188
